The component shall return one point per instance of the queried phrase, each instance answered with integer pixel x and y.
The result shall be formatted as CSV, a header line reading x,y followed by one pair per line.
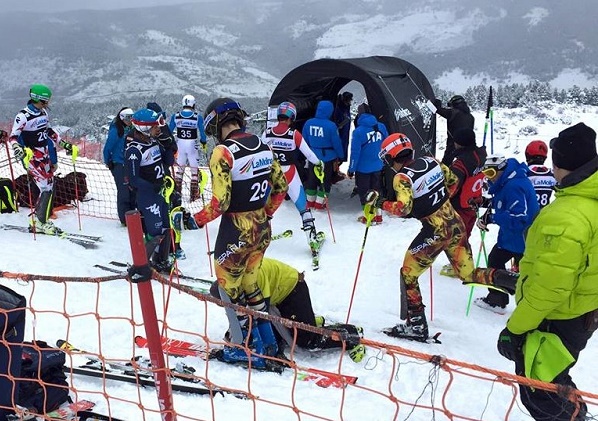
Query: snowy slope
x,y
466,338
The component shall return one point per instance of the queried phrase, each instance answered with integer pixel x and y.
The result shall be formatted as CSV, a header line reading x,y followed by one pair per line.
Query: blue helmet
x,y
144,119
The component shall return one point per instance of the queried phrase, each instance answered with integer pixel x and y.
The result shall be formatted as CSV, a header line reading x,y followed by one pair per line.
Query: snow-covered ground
x,y
470,339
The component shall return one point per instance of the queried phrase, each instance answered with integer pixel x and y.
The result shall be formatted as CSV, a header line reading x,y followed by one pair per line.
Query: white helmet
x,y
189,101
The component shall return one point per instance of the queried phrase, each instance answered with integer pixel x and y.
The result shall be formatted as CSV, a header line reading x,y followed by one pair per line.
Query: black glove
x,y
509,344
373,198
140,273
110,165
437,103
18,151
485,220
350,174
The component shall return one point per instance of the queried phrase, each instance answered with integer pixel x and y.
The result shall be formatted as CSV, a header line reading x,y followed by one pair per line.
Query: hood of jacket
x,y
324,110
367,120
581,182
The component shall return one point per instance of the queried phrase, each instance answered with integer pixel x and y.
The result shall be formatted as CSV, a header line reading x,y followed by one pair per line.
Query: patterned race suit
x,y
423,187
248,186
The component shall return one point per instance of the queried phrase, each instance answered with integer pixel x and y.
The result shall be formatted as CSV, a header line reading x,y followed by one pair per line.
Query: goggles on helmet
x,y
228,106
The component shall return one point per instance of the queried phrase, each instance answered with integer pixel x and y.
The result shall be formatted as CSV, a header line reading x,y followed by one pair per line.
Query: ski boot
x,y
502,279
47,228
270,344
415,329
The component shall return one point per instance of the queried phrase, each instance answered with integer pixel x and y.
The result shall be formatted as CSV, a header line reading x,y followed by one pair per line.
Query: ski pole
x,y
203,181
369,211
74,155
319,172
477,264
12,174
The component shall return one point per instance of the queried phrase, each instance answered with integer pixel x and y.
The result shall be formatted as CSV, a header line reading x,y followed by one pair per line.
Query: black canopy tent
x,y
397,93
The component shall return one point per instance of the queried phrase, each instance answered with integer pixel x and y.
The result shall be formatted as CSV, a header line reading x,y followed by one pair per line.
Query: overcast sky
x,y
63,5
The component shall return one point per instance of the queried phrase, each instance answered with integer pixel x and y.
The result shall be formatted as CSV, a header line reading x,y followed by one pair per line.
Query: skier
x,y
190,136
285,142
114,158
248,186
322,137
458,116
513,208
423,186
557,298
365,164
342,118
541,176
177,214
287,295
31,132
467,166
145,162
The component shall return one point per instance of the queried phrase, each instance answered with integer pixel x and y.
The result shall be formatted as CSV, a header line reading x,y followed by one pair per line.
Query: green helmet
x,y
40,93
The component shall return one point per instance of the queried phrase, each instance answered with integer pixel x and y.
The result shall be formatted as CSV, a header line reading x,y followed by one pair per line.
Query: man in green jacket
x,y
557,291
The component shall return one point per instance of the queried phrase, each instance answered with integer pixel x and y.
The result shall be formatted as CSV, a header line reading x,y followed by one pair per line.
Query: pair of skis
x,y
84,240
181,348
138,371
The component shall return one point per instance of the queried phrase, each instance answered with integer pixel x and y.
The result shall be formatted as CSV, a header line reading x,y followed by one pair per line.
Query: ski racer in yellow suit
x,y
248,186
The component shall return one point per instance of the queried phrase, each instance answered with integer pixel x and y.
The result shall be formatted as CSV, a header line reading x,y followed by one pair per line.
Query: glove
x,y
68,147
373,198
350,174
509,344
18,151
198,220
140,273
484,221
437,103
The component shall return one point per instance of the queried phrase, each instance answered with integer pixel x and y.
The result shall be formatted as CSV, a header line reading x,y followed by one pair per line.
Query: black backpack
x,y
8,201
48,388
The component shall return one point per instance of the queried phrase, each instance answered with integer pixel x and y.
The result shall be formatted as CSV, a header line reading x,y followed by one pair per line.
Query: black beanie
x,y
154,106
464,137
575,146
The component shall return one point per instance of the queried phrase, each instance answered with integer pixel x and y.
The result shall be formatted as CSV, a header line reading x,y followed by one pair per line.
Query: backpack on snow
x,y
47,388
66,189
8,200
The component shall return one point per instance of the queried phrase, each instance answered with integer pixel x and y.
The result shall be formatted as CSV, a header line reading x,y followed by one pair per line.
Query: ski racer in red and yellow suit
x,y
248,186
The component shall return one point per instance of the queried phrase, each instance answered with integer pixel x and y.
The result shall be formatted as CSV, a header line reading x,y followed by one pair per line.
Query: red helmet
x,y
536,149
397,145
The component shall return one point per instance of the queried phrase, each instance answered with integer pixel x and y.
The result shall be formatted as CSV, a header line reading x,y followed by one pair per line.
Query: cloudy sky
x,y
63,5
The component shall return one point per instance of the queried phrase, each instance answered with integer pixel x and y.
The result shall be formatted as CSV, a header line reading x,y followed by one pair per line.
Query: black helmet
x,y
456,100
222,111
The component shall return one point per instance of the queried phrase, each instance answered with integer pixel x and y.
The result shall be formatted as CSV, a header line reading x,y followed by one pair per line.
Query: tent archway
x,y
397,93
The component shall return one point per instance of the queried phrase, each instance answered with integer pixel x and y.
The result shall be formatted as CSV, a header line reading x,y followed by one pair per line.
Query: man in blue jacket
x,y
322,136
114,158
513,209
365,164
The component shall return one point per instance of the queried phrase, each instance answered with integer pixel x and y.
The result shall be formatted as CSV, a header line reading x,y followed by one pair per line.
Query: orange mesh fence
x,y
395,382
100,200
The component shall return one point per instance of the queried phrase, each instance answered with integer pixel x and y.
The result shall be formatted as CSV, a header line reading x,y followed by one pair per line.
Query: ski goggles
x,y
221,109
489,172
146,126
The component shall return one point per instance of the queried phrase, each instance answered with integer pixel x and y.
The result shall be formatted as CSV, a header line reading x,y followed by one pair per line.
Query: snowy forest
x,y
90,119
